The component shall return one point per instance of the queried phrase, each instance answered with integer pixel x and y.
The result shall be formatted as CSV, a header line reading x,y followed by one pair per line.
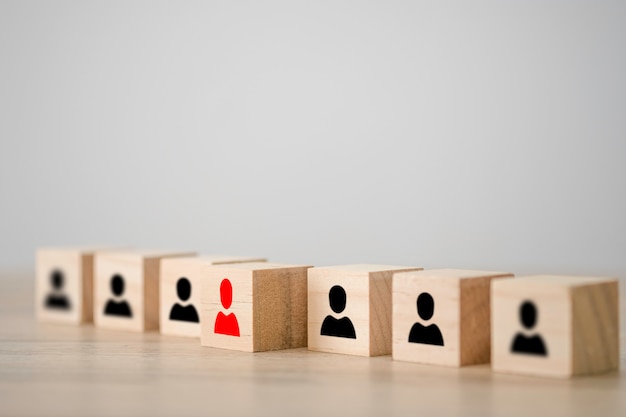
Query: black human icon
x,y
531,345
180,312
427,335
57,300
337,327
117,308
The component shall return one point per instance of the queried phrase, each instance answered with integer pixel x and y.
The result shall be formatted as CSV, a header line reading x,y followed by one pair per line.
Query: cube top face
x,y
145,254
254,307
349,309
358,269
85,250
181,282
127,289
563,281
555,326
459,274
257,266
442,317
59,286
215,259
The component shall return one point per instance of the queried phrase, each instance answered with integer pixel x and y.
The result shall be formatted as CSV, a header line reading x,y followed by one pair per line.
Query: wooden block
x,y
557,326
442,316
254,307
350,309
180,282
127,289
64,285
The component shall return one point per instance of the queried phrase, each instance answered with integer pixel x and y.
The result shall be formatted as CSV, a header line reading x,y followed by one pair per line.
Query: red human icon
x,y
226,323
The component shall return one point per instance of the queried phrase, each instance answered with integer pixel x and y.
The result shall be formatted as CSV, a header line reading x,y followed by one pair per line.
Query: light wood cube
x,y
127,289
254,307
64,284
442,316
180,282
350,308
557,326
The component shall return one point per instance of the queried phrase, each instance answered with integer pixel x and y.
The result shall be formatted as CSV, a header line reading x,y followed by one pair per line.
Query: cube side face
x,y
224,324
420,336
279,309
596,328
476,320
151,273
177,316
380,312
119,306
87,265
298,307
59,287
531,328
351,320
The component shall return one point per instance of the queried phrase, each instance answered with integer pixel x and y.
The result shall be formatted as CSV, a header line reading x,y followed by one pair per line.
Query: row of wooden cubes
x,y
445,317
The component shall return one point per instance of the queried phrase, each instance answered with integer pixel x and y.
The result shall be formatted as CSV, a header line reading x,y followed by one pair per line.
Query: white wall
x,y
476,134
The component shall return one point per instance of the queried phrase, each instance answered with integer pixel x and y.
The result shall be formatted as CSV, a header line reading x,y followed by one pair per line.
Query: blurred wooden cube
x,y
180,282
557,326
442,316
350,308
254,306
64,284
127,289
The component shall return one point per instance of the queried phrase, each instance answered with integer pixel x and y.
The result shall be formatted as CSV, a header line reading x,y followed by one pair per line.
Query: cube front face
x,y
59,287
532,328
426,319
119,292
180,288
226,309
339,311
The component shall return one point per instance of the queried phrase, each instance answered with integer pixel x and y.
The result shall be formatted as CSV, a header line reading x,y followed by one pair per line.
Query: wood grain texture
x,y
595,319
476,318
51,369
577,321
140,272
87,264
461,313
194,269
368,307
268,301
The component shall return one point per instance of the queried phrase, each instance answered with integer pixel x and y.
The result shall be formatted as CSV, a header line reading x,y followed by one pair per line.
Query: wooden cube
x,y
180,282
254,307
64,285
350,308
557,326
127,289
442,316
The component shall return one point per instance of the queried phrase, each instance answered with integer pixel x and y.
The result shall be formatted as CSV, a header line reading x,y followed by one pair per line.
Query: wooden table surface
x,y
66,371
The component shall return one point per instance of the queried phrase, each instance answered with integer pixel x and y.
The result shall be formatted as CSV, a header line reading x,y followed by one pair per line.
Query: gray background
x,y
477,134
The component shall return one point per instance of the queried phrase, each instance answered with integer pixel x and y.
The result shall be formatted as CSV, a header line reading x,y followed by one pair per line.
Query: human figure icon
x,y
57,300
117,308
332,326
226,323
427,335
180,312
531,345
